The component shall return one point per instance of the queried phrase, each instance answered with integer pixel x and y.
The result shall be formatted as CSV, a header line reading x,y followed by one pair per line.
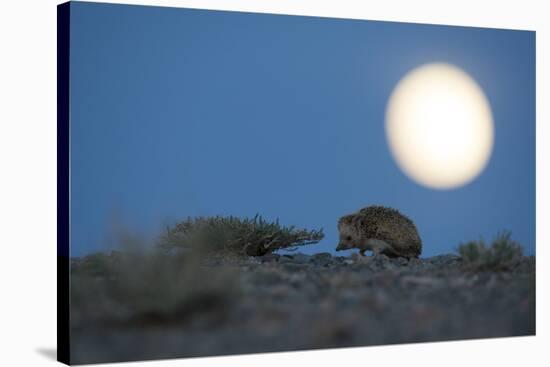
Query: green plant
x,y
503,254
238,236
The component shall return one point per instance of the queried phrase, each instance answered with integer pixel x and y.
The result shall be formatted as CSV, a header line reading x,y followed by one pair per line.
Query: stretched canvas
x,y
234,183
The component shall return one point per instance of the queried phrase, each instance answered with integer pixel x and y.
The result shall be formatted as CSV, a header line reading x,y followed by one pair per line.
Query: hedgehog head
x,y
349,235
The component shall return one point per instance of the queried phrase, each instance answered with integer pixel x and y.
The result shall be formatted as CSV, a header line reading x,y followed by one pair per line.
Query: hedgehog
x,y
381,230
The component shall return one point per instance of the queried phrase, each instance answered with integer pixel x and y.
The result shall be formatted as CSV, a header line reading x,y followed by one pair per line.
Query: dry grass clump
x,y
503,254
136,289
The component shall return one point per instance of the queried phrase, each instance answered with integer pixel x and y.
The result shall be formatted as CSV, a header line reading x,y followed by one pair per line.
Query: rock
x,y
301,258
285,259
363,267
212,262
322,255
355,257
348,298
418,264
267,278
270,258
252,260
380,261
381,258
294,267
420,280
374,263
401,261
445,259
322,259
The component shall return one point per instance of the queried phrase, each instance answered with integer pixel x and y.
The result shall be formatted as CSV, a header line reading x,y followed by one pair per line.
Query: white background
x,y
28,182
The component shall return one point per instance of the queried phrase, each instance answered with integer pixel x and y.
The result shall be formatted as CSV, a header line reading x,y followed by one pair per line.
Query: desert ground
x,y
143,307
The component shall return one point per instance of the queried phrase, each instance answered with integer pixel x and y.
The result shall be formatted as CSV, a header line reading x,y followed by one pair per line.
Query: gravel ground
x,y
296,302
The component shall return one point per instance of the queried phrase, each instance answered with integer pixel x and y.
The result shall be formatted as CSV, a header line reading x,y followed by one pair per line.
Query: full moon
x,y
439,126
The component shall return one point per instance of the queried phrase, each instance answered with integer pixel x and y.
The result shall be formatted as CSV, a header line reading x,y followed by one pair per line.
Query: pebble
x,y
322,259
420,280
301,258
270,258
285,259
294,267
401,261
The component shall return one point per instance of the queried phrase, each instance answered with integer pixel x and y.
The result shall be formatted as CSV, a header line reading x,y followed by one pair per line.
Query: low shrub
x,y
238,236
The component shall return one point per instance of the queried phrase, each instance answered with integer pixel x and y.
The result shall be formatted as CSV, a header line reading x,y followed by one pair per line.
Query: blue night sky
x,y
178,112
